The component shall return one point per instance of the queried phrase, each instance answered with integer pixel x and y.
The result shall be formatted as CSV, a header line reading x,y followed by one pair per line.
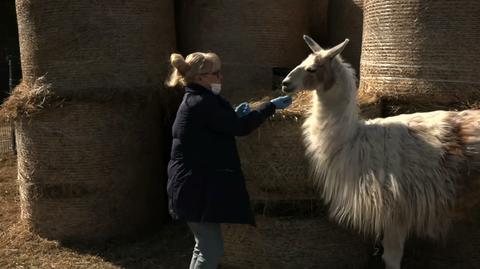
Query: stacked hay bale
x,y
421,55
273,156
251,38
293,230
88,115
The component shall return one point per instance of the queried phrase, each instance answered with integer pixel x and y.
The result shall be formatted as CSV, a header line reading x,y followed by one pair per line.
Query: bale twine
x,y
421,52
90,171
345,20
83,45
89,114
283,242
251,38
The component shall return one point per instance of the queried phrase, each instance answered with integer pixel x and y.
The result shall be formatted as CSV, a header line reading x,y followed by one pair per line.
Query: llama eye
x,y
311,70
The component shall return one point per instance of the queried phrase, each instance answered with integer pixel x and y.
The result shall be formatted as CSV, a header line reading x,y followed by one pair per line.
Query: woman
x,y
206,186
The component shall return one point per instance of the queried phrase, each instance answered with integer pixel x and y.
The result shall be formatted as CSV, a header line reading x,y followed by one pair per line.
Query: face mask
x,y
216,88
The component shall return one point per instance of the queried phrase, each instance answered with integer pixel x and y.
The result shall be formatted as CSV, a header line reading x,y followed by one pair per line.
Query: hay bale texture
x,y
273,156
421,53
89,170
88,115
85,46
251,38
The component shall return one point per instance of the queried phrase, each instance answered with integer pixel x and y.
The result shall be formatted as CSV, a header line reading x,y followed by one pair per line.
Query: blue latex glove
x,y
282,101
242,109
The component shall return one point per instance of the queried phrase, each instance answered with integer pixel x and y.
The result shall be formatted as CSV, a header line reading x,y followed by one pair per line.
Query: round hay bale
x,y
90,171
421,51
293,243
89,48
273,156
274,162
251,38
345,20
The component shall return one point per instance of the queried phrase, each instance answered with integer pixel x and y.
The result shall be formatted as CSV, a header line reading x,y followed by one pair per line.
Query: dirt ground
x,y
169,248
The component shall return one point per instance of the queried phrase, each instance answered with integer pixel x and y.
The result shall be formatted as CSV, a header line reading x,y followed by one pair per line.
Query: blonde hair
x,y
184,70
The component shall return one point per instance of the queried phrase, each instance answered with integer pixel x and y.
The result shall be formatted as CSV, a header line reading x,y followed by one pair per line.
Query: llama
x,y
386,177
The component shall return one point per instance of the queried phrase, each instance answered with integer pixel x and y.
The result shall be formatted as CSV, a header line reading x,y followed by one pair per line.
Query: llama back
x,y
457,136
402,170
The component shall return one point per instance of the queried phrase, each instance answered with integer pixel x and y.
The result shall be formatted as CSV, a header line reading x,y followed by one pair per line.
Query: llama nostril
x,y
285,83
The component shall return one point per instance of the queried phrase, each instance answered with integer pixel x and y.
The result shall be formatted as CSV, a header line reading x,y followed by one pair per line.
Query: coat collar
x,y
197,89
194,88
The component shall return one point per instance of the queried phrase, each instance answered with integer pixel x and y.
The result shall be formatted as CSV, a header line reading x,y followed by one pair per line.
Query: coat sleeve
x,y
225,120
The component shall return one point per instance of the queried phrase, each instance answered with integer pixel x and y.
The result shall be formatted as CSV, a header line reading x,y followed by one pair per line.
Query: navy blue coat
x,y
205,180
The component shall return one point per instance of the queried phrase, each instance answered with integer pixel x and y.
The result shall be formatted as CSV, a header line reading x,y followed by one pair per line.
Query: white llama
x,y
386,177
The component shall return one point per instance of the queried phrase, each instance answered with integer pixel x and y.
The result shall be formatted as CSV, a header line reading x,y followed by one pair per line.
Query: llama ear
x,y
312,44
337,49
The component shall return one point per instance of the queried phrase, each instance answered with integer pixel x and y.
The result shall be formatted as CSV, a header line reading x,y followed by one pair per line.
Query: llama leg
x,y
393,241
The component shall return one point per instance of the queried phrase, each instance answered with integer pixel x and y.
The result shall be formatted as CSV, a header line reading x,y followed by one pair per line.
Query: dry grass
x,y
168,248
370,106
25,101
298,109
392,107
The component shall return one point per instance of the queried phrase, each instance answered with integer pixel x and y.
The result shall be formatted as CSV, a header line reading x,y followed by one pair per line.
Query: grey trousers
x,y
208,245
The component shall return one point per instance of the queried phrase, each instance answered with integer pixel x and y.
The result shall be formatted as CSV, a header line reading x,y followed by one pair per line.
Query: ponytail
x,y
179,70
184,70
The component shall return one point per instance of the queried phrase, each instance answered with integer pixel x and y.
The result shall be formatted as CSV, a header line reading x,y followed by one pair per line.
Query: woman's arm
x,y
223,119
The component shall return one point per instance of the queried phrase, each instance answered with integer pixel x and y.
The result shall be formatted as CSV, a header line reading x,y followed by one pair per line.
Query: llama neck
x,y
334,114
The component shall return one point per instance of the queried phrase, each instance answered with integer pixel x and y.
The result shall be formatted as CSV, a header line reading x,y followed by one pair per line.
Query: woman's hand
x,y
282,102
243,109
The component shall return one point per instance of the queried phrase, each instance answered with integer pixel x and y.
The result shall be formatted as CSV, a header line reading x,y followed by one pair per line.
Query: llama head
x,y
315,72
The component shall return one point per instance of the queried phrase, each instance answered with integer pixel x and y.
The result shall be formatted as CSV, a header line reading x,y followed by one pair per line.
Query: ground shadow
x,y
168,247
